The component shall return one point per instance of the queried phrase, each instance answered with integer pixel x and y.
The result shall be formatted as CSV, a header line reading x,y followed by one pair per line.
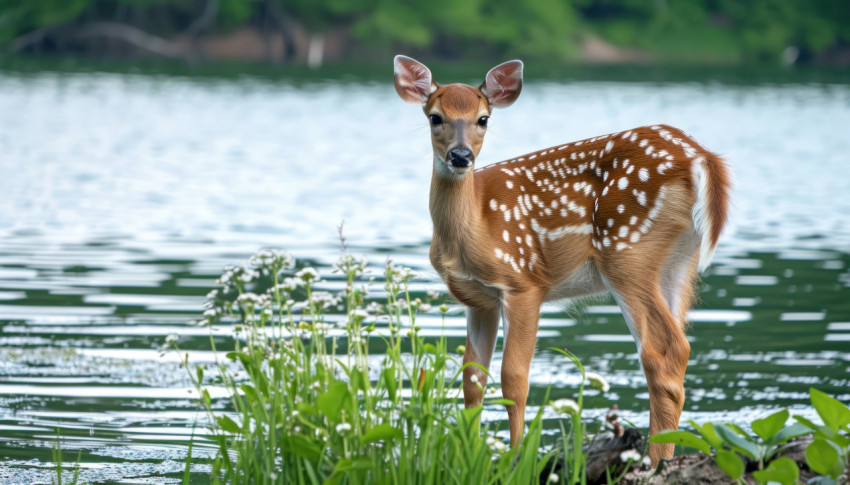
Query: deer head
x,y
457,113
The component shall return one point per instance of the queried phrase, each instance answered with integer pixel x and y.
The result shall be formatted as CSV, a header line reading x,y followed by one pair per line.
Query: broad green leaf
x,y
783,470
730,463
302,446
823,457
768,426
682,438
331,402
737,429
737,442
306,408
358,380
383,431
250,393
788,432
834,414
344,465
812,426
388,376
228,424
708,434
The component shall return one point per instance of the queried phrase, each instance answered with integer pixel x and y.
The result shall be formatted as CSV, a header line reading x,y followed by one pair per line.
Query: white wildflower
x,y
629,455
343,427
359,314
424,308
171,339
432,295
553,478
647,461
248,299
350,265
324,299
565,406
597,381
473,378
273,259
249,275
495,444
211,313
290,284
308,274
212,295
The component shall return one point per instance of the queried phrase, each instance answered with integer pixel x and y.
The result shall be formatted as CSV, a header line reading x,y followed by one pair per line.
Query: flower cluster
x,y
565,406
273,260
596,381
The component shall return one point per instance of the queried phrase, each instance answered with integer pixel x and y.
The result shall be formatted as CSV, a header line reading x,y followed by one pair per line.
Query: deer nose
x,y
460,157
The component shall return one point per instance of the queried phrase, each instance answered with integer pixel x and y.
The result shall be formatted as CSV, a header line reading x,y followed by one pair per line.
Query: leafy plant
x,y
729,440
309,403
828,452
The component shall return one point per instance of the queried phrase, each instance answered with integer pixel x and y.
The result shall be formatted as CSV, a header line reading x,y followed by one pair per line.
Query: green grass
x,y
309,405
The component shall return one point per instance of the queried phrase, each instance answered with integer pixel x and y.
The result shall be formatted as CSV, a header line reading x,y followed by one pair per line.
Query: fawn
x,y
636,213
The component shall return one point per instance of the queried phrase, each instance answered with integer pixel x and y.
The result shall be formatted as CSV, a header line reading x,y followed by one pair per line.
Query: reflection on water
x,y
124,197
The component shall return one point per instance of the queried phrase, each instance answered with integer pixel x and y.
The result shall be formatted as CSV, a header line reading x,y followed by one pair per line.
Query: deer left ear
x,y
503,84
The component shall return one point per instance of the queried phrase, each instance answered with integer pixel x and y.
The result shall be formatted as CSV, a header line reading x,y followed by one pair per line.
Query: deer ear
x,y
503,84
413,80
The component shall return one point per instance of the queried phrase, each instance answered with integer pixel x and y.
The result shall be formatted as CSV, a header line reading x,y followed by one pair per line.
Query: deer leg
x,y
522,312
482,326
664,353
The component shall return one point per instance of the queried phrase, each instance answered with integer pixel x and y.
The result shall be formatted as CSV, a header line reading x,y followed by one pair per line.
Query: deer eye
x,y
435,120
482,122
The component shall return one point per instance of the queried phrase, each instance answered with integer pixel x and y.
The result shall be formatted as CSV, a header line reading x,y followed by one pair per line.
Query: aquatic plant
x,y
310,403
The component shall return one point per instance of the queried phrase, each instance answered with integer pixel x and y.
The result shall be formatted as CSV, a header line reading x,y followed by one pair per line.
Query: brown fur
x,y
612,212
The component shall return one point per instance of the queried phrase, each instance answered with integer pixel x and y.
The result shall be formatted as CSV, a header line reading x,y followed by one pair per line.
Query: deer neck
x,y
455,212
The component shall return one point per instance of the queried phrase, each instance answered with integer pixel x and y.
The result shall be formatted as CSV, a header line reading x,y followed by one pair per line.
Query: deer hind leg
x,y
679,275
482,326
663,349
522,313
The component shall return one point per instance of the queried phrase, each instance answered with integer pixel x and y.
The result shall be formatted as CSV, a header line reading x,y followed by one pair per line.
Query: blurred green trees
x,y
660,30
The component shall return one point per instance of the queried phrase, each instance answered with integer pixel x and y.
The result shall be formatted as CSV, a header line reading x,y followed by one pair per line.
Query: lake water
x,y
123,197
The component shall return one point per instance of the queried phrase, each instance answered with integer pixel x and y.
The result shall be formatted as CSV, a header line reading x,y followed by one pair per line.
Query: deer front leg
x,y
522,312
482,326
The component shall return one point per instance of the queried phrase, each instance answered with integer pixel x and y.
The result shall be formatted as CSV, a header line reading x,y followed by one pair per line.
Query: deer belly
x,y
585,280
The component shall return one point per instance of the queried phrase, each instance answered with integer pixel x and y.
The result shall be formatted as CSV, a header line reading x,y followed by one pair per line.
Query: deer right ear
x,y
413,80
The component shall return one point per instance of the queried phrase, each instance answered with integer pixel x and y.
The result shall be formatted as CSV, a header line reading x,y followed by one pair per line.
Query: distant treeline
x,y
698,31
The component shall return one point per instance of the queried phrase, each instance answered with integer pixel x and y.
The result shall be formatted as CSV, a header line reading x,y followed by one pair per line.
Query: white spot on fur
x,y
562,231
643,175
622,183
